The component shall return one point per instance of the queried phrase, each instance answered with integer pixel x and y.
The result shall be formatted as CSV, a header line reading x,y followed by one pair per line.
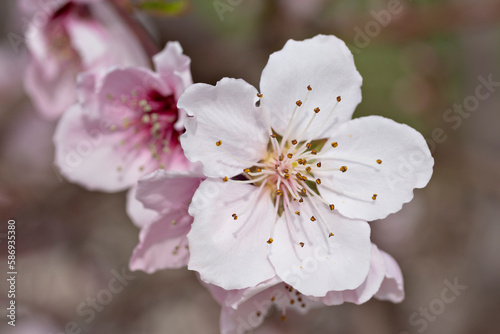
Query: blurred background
x,y
419,62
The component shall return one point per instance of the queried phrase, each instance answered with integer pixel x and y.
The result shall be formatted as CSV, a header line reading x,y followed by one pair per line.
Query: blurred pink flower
x,y
125,125
162,241
76,36
244,310
311,175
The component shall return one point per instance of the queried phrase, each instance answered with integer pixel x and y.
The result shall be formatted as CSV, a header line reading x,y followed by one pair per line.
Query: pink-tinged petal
x,y
87,153
163,244
311,260
51,95
384,162
230,253
365,291
246,318
122,88
163,191
326,65
174,67
226,132
139,215
392,288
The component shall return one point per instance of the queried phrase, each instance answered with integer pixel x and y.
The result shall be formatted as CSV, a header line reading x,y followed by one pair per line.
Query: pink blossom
x,y
162,241
76,36
244,310
125,125
292,179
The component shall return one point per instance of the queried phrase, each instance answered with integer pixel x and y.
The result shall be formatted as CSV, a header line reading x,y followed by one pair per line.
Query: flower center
x,y
150,126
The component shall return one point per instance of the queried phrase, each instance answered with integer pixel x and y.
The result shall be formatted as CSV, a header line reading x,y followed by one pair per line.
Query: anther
x,y
279,192
301,244
273,135
303,191
331,235
219,143
287,176
332,207
309,88
297,213
374,197
316,110
335,144
273,299
292,301
301,200
318,181
270,241
308,168
281,157
294,142
308,145
285,171
259,170
318,164
379,161
283,317
246,170
303,305
289,155
225,179
258,314
313,219
298,103
314,152
343,169
259,95
339,99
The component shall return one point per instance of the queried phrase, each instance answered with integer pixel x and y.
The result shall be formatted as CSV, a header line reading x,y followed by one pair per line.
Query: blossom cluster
x,y
266,193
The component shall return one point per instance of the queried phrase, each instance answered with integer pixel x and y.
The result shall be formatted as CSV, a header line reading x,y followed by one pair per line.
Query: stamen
x,y
330,235
225,179
379,161
301,244
297,213
335,144
270,241
318,164
309,88
219,143
313,219
332,207
298,103
339,99
318,181
294,142
374,197
316,110
259,95
343,169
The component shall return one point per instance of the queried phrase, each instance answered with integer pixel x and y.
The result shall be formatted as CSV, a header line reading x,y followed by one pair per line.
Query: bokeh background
x,y
424,61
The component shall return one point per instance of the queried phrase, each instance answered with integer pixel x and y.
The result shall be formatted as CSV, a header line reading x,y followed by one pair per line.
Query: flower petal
x,y
225,114
326,65
86,153
136,211
173,66
322,263
163,191
392,288
163,244
365,291
385,161
227,252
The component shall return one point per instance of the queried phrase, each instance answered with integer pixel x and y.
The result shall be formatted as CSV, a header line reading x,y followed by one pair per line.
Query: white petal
x,y
324,263
324,63
392,288
226,252
225,113
406,163
365,291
